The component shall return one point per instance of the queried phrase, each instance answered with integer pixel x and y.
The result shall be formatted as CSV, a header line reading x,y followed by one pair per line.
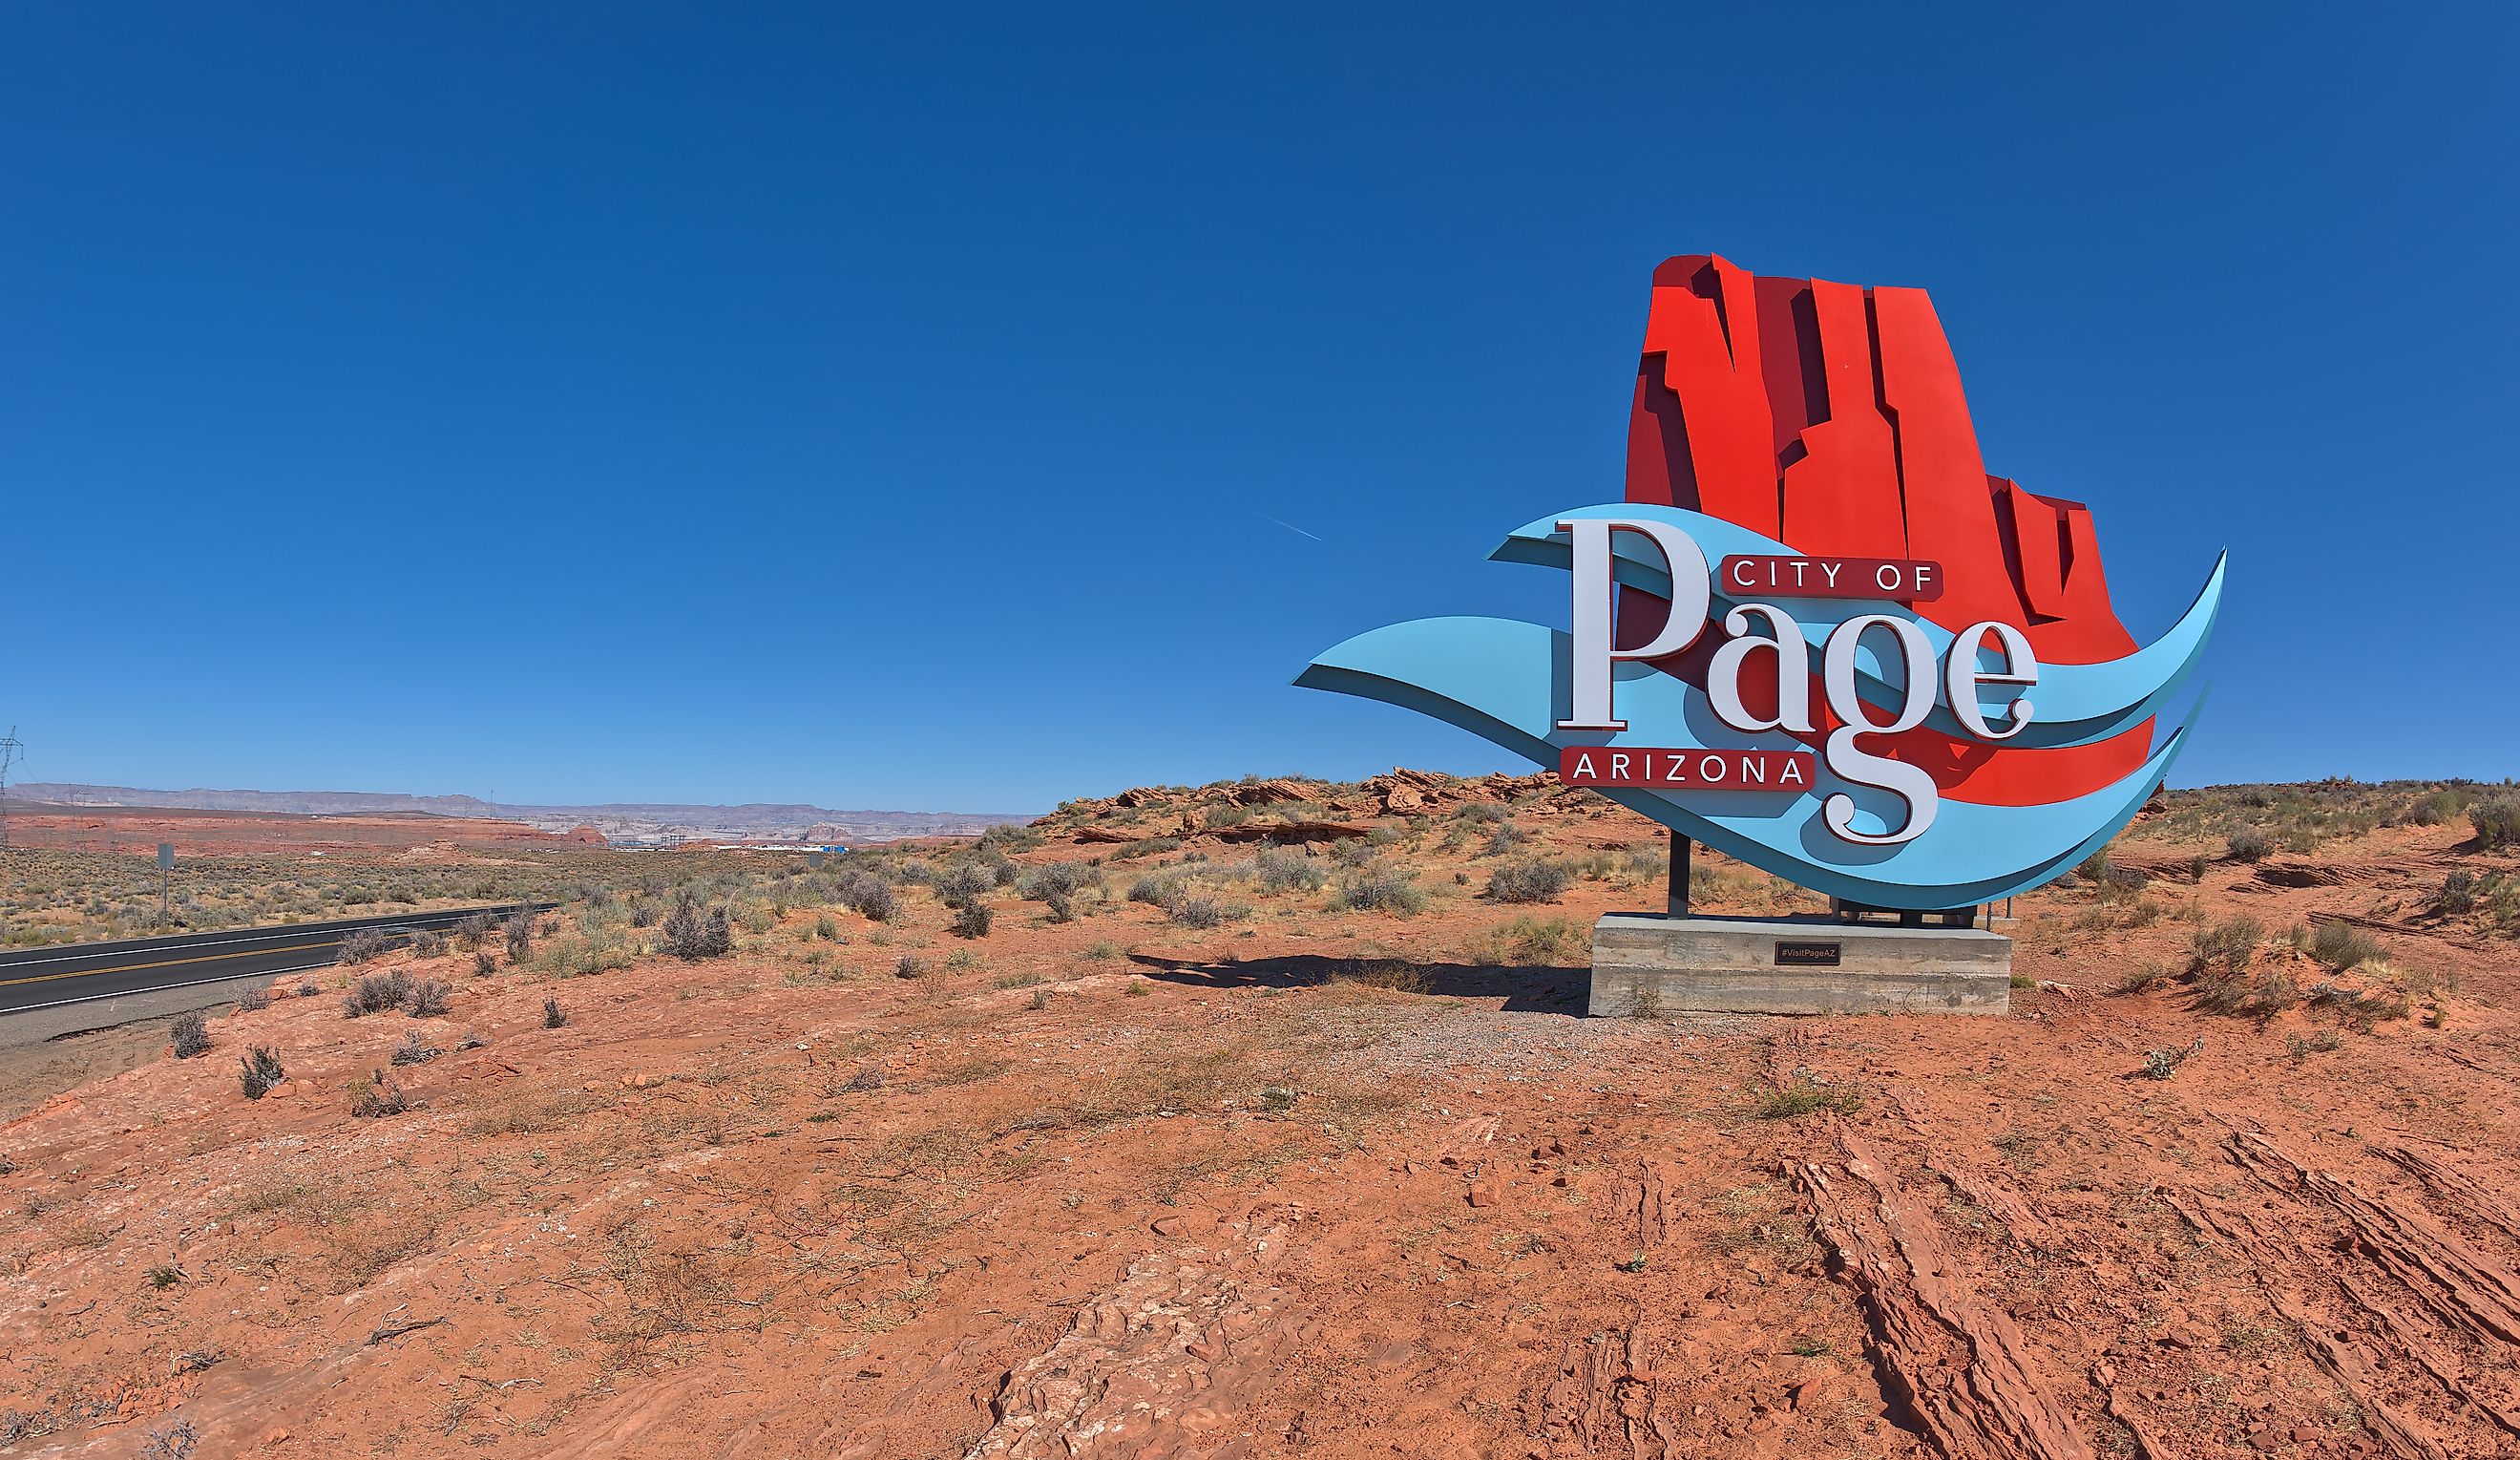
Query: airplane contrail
x,y
1289,526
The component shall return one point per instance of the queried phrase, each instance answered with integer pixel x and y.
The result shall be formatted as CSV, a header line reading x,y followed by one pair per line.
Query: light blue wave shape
x,y
2074,703
1502,679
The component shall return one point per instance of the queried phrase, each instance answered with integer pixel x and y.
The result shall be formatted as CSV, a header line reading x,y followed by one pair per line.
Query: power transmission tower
x,y
9,745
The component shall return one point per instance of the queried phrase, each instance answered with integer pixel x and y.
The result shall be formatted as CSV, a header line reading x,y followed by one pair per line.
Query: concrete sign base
x,y
1646,963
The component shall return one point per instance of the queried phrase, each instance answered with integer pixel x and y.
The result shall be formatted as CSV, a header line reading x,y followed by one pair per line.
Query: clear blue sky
x,y
737,402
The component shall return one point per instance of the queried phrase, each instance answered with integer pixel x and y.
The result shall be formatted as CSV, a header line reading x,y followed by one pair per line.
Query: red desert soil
x,y
1317,1182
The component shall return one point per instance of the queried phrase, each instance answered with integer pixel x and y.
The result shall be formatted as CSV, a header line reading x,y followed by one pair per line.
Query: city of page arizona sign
x,y
1817,634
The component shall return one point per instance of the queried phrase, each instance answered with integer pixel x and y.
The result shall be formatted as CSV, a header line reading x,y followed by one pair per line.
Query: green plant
x,y
163,1276
973,920
2497,822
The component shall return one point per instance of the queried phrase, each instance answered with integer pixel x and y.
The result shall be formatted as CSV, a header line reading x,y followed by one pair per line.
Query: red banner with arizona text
x,y
1686,770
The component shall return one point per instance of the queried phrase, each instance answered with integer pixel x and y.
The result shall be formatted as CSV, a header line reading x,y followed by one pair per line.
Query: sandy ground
x,y
1313,1182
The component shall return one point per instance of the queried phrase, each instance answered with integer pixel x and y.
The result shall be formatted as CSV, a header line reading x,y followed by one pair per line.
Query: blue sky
x,y
725,403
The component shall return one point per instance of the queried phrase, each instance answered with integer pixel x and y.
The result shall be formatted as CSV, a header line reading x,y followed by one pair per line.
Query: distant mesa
x,y
619,824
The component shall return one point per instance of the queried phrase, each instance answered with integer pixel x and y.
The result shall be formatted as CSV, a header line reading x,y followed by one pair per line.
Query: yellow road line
x,y
129,968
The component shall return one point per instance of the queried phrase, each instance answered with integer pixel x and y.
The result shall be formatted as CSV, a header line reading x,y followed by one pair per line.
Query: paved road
x,y
75,972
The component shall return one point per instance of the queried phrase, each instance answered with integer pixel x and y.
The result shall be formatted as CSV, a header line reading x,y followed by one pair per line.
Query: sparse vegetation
x,y
378,1096
1380,888
263,1072
2497,822
1802,1097
1534,880
690,935
191,1035
554,1015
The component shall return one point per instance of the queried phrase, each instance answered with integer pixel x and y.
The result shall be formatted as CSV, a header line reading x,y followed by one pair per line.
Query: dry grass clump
x,y
2226,975
1533,880
1804,1096
1527,941
1378,887
1384,973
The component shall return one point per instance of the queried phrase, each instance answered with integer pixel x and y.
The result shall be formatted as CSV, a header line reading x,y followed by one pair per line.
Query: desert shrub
x,y
965,881
2225,976
427,943
262,1072
1041,883
484,964
254,999
871,895
1350,852
691,935
1195,912
1150,848
1506,838
1284,869
554,1015
973,920
2229,944
908,966
2339,945
2249,844
2457,894
473,930
520,938
2095,867
428,998
375,993
1379,888
827,927
1544,940
415,1049
363,943
191,1035
643,913
1157,892
378,1096
1534,880
2497,822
